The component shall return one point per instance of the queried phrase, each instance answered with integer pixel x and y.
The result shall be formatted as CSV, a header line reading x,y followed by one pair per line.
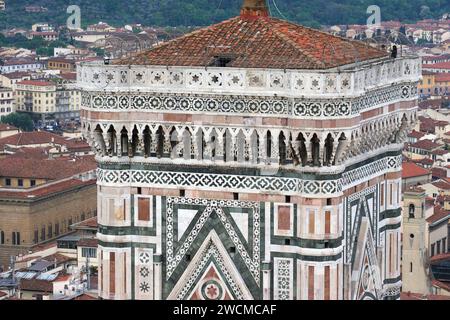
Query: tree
x,y
20,120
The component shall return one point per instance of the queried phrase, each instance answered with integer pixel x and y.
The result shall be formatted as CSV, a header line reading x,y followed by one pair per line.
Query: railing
x,y
96,76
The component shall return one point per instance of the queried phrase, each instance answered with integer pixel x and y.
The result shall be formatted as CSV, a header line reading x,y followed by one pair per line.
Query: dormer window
x,y
221,61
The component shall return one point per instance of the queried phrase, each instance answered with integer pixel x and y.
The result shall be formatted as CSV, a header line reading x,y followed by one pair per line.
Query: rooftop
x,y
426,145
37,83
413,170
48,169
420,296
256,40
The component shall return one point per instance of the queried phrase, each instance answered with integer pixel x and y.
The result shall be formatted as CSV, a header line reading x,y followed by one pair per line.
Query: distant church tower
x,y
252,159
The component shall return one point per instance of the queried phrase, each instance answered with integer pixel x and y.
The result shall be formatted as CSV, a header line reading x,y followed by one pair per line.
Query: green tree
x,y
20,120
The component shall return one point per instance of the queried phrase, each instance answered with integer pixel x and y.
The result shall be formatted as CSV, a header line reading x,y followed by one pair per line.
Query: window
x,y
36,236
432,249
50,231
43,234
8,182
412,209
2,237
444,244
438,247
89,252
16,238
33,183
410,267
20,182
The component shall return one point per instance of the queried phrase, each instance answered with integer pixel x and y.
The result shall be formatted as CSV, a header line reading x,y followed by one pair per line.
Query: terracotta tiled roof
x,y
90,223
413,170
36,83
424,161
440,65
440,173
36,285
43,137
442,77
49,169
440,257
87,242
443,285
439,214
420,296
16,75
416,134
261,42
7,127
84,297
442,184
425,145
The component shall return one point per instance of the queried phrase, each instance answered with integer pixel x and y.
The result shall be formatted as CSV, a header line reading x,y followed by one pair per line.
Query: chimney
x,y
254,9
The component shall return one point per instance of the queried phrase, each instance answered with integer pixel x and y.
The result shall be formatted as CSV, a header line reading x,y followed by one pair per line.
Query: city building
x,y
425,244
60,63
47,100
252,159
8,80
20,64
7,103
7,130
40,197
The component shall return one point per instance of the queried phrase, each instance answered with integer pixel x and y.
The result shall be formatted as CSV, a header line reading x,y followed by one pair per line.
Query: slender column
x,y
321,159
219,147
140,148
308,146
248,148
154,144
208,148
167,147
119,143
106,139
233,146
262,146
158,281
275,158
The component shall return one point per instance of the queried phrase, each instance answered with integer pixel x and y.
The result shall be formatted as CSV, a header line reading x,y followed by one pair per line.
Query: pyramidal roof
x,y
255,40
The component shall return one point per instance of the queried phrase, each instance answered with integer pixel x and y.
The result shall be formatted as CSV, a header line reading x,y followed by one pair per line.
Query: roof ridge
x,y
172,41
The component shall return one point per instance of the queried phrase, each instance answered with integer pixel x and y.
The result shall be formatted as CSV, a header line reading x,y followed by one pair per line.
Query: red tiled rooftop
x,y
439,65
7,127
440,257
413,170
258,42
48,169
442,184
439,214
440,284
425,145
90,223
416,134
87,242
36,285
84,297
442,77
43,137
46,190
36,83
420,296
